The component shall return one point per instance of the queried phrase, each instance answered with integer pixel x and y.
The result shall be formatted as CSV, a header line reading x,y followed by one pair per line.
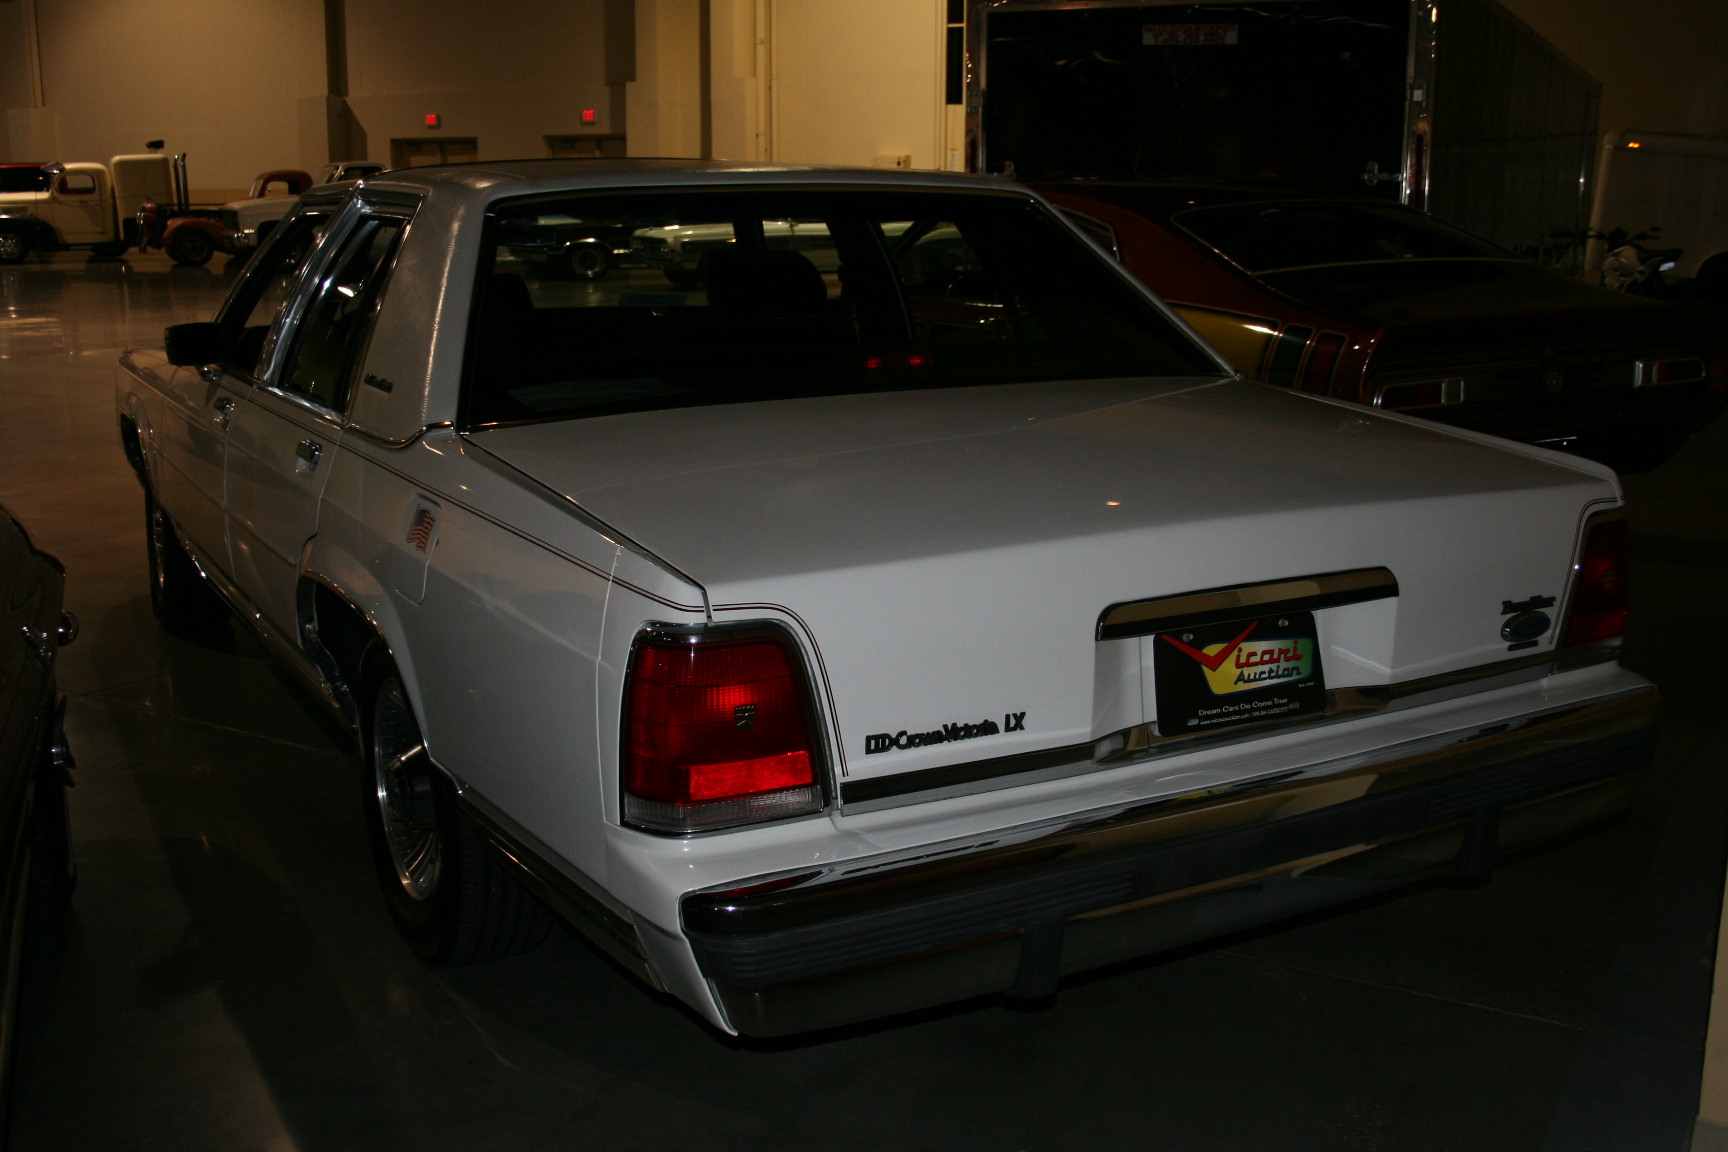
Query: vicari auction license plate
x,y
1218,675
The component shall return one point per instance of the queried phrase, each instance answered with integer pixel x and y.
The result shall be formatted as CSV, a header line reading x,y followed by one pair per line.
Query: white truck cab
x,y
85,205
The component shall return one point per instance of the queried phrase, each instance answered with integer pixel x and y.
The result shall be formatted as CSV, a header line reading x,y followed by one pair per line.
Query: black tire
x,y
448,893
179,595
588,261
192,247
14,244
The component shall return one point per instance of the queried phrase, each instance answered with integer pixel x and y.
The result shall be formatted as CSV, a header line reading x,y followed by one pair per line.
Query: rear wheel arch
x,y
132,443
340,637
469,905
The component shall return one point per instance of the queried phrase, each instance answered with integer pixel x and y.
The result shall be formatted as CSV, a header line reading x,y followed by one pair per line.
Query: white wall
x,y
18,134
239,85
665,99
794,81
220,80
1661,64
506,74
853,82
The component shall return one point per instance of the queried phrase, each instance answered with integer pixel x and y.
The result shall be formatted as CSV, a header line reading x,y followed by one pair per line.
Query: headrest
x,y
776,283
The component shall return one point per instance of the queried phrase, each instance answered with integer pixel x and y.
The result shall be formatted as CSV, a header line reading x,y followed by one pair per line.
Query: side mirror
x,y
193,345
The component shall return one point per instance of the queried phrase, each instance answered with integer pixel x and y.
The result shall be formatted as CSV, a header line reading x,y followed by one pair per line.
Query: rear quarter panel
x,y
495,625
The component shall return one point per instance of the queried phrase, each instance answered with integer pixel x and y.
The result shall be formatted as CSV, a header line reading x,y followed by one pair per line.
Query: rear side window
x,y
332,332
610,303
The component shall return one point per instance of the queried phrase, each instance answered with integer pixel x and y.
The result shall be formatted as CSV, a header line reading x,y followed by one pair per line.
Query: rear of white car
x,y
896,606
1052,689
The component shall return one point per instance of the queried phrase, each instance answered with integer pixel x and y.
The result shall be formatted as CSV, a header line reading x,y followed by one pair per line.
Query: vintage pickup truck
x,y
82,205
246,222
140,201
926,616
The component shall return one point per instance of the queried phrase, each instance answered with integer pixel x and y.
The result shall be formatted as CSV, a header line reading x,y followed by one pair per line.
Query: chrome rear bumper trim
x,y
1019,896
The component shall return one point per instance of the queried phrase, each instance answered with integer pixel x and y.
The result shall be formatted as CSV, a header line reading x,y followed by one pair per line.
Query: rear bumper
x,y
1015,919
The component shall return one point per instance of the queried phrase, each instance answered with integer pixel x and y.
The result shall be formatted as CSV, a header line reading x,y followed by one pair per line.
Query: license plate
x,y
1221,675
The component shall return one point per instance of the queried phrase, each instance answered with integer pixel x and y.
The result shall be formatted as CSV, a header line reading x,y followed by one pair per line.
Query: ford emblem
x,y
1525,626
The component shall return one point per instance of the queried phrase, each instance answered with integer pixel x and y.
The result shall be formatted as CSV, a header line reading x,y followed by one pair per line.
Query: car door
x,y
81,208
289,428
193,438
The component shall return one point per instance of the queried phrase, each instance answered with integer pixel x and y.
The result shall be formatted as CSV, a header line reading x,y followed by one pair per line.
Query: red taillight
x,y
715,733
1600,584
1650,373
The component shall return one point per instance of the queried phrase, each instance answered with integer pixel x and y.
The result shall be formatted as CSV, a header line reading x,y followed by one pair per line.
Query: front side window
x,y
614,303
256,305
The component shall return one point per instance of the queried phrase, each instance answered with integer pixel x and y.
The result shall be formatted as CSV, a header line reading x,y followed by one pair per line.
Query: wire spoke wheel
x,y
406,793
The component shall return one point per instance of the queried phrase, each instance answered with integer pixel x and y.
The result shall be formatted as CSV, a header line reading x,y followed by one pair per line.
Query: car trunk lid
x,y
948,554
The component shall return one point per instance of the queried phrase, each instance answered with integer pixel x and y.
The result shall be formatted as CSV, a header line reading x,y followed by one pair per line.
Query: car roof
x,y
1163,198
489,180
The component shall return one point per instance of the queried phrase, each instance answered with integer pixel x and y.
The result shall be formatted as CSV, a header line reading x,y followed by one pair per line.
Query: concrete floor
x,y
229,980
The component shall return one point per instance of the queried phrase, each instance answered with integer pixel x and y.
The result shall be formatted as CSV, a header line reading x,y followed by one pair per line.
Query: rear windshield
x,y
1303,234
615,303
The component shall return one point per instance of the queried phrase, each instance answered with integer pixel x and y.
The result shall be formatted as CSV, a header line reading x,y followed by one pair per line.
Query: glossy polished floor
x,y
228,980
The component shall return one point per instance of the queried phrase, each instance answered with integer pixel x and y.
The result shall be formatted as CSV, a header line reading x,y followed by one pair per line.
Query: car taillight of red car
x,y
717,731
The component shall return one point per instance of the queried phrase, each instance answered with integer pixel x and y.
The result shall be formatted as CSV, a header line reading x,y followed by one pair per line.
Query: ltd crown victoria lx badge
x,y
888,741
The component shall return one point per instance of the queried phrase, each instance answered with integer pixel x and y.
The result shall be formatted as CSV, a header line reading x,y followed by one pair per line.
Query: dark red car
x,y
1373,302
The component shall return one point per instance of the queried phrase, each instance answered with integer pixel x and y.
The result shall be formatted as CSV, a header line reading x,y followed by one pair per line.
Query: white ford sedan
x,y
898,607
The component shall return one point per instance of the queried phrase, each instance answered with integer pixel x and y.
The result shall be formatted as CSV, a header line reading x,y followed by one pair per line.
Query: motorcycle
x,y
1632,268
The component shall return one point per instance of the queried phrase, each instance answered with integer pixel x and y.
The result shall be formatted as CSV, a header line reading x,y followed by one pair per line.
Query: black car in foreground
x,y
37,871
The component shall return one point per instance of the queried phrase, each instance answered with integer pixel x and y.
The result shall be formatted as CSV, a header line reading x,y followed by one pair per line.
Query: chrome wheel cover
x,y
158,554
11,245
402,773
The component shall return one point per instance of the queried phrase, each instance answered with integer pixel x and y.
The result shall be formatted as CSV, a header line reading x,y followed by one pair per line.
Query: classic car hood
x,y
930,542
1403,292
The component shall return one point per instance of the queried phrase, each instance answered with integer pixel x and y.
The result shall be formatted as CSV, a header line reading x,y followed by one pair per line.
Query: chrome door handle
x,y
308,452
39,643
224,409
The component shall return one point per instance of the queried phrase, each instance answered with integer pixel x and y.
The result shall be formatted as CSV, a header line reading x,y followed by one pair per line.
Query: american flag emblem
x,y
421,527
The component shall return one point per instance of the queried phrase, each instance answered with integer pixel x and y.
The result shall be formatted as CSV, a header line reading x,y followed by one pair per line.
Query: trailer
x,y
1458,109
